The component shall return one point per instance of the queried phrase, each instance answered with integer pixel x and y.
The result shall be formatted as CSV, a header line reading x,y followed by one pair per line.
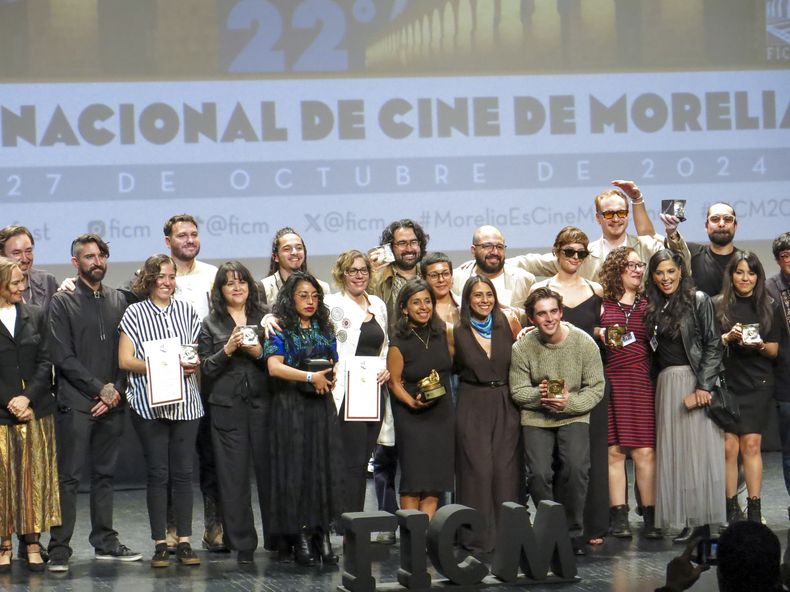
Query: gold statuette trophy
x,y
431,386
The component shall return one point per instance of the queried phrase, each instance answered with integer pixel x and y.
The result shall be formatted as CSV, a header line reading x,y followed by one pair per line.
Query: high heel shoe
x,y
34,549
303,549
323,548
687,534
6,555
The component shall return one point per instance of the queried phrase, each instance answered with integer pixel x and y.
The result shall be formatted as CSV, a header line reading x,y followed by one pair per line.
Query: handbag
x,y
314,365
723,408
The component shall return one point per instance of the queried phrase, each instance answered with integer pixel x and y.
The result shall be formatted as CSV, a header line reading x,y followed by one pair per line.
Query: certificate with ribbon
x,y
164,372
363,391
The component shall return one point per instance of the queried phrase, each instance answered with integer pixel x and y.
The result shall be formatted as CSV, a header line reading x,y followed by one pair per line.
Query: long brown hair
x,y
763,302
612,270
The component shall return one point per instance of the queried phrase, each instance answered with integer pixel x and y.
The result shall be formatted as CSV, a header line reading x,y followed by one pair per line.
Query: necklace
x,y
425,342
483,327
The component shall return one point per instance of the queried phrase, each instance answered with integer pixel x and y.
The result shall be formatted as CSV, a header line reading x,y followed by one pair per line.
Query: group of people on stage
x,y
491,386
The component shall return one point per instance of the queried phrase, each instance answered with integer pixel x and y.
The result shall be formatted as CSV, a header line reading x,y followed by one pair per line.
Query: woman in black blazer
x,y
235,383
31,504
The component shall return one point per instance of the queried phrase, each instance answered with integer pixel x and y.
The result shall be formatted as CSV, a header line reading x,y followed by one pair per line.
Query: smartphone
x,y
707,551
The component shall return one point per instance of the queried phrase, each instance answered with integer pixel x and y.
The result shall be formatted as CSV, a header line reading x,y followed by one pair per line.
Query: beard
x,y
722,238
488,267
406,265
95,274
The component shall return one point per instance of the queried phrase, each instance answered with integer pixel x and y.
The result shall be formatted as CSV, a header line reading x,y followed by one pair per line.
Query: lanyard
x,y
663,308
628,314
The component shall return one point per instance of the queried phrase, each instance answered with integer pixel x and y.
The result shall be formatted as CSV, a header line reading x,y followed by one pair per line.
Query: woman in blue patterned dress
x,y
304,439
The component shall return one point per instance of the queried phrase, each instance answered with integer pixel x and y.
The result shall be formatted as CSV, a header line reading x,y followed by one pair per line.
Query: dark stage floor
x,y
620,566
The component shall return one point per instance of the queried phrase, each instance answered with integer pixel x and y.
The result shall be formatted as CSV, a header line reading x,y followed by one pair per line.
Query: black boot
x,y
303,549
734,513
688,534
618,520
323,548
650,531
753,510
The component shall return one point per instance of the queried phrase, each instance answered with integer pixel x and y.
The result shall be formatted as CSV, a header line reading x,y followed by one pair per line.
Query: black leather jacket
x,y
702,342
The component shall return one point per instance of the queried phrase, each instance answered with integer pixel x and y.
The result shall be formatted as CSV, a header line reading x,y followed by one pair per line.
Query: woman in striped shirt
x,y
168,432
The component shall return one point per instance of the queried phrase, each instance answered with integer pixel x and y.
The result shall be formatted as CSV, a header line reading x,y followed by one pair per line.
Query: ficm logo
x,y
97,227
777,30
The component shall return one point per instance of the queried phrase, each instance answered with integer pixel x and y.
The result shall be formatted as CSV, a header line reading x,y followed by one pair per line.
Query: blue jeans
x,y
783,408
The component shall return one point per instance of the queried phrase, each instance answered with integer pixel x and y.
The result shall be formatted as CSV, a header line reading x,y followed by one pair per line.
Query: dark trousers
x,y
359,442
573,446
82,438
238,437
385,467
209,484
168,447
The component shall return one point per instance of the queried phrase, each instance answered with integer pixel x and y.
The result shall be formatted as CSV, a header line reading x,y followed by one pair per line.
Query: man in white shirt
x,y
511,282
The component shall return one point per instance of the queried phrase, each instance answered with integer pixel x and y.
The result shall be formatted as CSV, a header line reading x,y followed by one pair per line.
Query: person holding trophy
x,y
750,327
632,425
158,349
419,361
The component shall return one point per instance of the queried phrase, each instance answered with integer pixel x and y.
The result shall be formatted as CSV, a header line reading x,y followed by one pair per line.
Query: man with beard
x,y
511,282
408,242
289,254
89,422
16,243
708,262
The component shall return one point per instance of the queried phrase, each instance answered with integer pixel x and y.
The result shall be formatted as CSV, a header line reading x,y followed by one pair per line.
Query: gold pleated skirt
x,y
29,488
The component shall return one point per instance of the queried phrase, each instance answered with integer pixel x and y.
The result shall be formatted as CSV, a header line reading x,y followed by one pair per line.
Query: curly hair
x,y
678,305
409,289
612,270
344,262
147,275
387,236
762,299
239,272
274,266
285,307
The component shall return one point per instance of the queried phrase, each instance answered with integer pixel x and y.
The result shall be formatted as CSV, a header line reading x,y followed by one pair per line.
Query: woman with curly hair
x,y
632,427
690,446
304,438
748,368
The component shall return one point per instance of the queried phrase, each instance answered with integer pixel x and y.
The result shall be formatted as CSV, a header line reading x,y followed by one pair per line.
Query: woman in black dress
x,y
234,382
581,300
304,490
748,369
487,421
424,430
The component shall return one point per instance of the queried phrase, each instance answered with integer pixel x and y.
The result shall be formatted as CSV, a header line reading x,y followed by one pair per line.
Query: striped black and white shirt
x,y
143,322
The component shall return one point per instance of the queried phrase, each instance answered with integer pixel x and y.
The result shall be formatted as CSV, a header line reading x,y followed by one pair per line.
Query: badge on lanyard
x,y
629,338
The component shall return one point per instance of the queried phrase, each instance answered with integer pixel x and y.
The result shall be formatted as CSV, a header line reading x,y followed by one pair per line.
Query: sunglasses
x,y
612,213
571,253
726,218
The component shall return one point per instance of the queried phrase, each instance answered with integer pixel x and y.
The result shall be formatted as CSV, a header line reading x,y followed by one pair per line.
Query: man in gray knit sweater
x,y
556,378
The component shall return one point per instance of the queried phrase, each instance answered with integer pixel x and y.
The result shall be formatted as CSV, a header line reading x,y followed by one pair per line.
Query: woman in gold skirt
x,y
29,491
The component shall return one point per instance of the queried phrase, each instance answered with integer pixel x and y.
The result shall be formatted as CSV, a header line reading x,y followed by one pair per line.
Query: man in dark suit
x,y
17,243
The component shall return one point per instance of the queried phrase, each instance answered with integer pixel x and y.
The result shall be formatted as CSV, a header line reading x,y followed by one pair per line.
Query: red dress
x,y
632,417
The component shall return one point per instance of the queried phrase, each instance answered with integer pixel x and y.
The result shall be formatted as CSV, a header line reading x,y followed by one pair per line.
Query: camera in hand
x,y
708,551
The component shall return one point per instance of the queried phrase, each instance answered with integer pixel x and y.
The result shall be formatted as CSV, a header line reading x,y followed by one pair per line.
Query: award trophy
x,y
249,334
431,386
614,336
556,387
674,207
750,334
189,353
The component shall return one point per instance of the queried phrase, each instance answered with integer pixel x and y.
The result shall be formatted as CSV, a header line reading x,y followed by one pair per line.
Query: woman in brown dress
x,y
487,421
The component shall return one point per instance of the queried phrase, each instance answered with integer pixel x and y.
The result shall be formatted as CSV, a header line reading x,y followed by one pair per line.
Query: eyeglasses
x,y
435,275
492,246
402,244
571,253
608,215
635,266
726,218
784,256
361,271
